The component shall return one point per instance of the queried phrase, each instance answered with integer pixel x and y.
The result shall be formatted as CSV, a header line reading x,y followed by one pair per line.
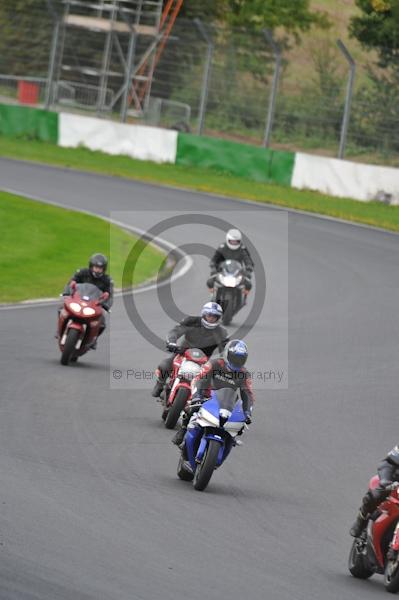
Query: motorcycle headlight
x,y
224,413
189,369
88,311
75,307
230,280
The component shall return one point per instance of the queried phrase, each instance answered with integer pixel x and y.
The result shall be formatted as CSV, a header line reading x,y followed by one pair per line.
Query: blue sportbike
x,y
210,436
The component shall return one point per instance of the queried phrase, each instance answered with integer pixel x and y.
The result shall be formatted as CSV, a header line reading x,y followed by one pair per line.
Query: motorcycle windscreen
x,y
88,291
231,267
224,399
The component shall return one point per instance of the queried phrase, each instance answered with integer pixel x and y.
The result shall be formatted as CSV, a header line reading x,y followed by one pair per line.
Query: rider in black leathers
x,y
96,275
232,249
203,332
388,472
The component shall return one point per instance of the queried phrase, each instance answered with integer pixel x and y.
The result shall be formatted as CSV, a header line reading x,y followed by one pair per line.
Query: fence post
x,y
128,74
273,93
348,99
206,75
49,97
102,91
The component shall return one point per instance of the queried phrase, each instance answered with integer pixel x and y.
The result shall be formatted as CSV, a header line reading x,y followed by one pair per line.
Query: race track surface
x,y
90,505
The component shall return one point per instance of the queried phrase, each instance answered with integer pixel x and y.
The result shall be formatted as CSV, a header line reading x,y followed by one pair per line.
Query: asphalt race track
x,y
90,505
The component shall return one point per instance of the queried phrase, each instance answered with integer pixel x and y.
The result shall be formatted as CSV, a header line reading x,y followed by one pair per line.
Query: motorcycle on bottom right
x,y
376,550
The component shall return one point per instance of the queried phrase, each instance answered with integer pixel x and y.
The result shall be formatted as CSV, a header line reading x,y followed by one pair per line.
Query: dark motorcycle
x,y
376,550
229,288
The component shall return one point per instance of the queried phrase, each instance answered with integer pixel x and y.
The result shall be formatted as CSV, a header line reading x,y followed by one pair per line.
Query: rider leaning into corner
x,y
388,472
204,332
232,249
96,275
227,371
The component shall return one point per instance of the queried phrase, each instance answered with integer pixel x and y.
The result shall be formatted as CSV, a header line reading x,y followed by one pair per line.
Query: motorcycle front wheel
x,y
69,347
179,402
203,472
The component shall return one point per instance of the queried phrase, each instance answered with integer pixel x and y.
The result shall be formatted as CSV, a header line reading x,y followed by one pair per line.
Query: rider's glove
x,y
197,397
171,346
384,483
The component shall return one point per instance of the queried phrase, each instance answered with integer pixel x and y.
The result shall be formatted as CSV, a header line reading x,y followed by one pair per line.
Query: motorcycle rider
x,y
227,371
96,275
388,472
232,249
204,332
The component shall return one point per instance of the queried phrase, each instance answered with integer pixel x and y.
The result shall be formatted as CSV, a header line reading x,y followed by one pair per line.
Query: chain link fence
x,y
317,97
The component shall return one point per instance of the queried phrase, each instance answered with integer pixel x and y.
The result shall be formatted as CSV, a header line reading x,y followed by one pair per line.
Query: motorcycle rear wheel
x,y
69,347
203,472
357,563
391,576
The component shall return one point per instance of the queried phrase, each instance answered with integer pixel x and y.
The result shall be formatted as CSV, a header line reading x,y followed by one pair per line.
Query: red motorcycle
x,y
80,320
377,548
177,392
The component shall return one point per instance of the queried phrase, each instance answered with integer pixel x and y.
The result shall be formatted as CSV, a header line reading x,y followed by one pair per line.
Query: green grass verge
x,y
41,246
370,213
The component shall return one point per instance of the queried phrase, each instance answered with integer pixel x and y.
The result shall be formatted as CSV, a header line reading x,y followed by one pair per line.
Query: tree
x,y
294,17
25,36
377,28
207,10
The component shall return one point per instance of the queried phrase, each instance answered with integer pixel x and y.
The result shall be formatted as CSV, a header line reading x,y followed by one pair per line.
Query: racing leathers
x,y
241,254
214,375
103,282
194,335
388,472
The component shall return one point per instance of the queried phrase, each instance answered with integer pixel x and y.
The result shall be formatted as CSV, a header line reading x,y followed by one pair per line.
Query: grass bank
x,y
41,246
370,213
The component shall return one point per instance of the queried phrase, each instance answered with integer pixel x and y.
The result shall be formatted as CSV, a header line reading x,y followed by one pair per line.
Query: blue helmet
x,y
211,315
235,354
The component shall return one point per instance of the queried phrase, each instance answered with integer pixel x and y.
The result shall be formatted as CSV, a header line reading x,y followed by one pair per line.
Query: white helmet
x,y
211,315
233,239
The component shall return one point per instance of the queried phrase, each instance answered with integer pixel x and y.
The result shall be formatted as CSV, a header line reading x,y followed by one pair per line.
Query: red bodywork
x,y
88,325
176,382
389,516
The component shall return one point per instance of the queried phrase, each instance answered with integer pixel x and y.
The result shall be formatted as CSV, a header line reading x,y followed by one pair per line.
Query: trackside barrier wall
x,y
32,123
331,176
243,160
346,179
136,141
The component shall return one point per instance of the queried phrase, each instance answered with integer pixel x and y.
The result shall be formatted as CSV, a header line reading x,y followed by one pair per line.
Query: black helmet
x,y
235,354
98,260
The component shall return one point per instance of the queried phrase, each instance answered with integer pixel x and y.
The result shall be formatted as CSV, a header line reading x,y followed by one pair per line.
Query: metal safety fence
x,y
323,96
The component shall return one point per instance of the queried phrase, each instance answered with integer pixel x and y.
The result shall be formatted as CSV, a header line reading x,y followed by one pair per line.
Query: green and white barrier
x,y
136,141
32,123
243,160
345,179
331,176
